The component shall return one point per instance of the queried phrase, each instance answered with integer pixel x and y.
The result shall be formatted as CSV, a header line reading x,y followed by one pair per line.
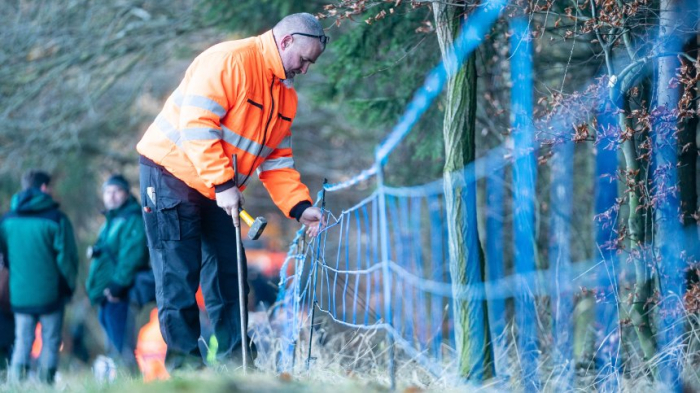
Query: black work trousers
x,y
192,241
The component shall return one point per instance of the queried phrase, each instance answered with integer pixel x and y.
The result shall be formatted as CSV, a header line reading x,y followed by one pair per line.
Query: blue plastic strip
x,y
375,260
337,267
607,315
347,265
561,197
436,248
404,241
358,263
397,295
362,176
417,241
329,301
365,217
672,266
495,189
524,195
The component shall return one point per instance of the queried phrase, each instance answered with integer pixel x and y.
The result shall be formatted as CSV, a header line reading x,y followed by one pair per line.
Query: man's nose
x,y
304,68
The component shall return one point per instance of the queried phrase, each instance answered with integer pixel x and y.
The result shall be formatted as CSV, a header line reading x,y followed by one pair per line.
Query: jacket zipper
x,y
262,144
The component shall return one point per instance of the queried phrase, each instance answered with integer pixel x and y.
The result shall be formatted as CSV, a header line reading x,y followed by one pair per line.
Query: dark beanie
x,y
117,180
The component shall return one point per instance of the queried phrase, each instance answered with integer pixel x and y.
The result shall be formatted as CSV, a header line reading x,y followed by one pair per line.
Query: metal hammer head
x,y
257,228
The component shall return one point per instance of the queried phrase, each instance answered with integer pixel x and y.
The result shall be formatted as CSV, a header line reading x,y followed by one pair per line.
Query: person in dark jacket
x,y
37,240
7,319
118,257
7,337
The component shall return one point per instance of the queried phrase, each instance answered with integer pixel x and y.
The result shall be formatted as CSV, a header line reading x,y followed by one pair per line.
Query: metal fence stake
x,y
315,273
384,239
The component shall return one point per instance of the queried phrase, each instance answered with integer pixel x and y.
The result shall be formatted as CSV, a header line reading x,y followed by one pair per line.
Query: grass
x,y
352,361
207,381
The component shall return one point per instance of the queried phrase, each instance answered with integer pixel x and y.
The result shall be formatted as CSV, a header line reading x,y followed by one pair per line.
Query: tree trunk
x,y
472,333
639,312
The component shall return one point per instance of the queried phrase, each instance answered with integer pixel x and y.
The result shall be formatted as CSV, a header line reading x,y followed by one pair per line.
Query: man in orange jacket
x,y
236,99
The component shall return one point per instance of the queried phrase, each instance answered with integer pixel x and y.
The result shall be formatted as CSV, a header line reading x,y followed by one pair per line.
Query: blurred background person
x,y
118,270
37,240
7,320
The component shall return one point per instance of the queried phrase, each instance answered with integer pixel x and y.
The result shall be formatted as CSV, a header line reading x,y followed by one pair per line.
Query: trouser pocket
x,y
168,219
162,222
160,208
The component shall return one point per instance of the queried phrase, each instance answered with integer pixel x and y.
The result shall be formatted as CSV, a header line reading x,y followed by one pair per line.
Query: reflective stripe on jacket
x,y
231,101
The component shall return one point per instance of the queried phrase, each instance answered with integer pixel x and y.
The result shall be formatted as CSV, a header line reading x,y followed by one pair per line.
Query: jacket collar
x,y
271,56
32,200
129,206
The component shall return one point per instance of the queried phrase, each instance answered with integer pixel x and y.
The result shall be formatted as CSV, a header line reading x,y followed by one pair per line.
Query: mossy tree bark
x,y
467,261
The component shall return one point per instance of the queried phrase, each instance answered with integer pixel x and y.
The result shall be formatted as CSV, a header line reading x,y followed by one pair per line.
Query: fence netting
x,y
386,264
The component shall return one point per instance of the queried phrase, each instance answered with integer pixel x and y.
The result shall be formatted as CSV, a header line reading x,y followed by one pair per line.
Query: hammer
x,y
257,225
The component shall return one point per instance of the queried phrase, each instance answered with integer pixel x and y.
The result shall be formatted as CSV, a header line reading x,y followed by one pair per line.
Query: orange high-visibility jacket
x,y
231,101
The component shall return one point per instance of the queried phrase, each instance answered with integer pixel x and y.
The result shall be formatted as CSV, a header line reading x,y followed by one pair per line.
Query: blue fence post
x,y
524,198
495,270
295,294
287,297
368,280
395,251
418,246
386,273
674,20
607,316
314,271
437,240
561,294
296,302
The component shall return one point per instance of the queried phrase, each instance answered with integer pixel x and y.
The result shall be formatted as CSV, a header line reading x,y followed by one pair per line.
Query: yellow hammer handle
x,y
246,217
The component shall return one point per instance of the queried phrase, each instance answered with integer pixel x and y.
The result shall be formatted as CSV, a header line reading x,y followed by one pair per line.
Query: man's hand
x,y
312,218
231,200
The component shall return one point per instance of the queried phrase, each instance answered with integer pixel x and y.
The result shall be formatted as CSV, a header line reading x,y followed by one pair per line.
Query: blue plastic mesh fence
x,y
384,264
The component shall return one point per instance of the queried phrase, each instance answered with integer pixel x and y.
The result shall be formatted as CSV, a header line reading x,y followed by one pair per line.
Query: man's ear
x,y
286,41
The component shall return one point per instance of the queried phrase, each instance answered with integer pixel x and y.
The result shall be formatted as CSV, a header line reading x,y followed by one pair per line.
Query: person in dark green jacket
x,y
117,258
37,240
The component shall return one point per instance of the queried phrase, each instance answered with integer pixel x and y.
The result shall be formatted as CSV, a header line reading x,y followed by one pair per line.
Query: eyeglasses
x,y
323,38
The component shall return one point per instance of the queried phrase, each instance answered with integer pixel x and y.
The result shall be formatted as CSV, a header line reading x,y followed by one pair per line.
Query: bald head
x,y
298,23
300,41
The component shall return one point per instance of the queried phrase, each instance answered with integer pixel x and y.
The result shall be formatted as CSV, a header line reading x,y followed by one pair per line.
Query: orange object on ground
x,y
231,101
199,297
150,350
